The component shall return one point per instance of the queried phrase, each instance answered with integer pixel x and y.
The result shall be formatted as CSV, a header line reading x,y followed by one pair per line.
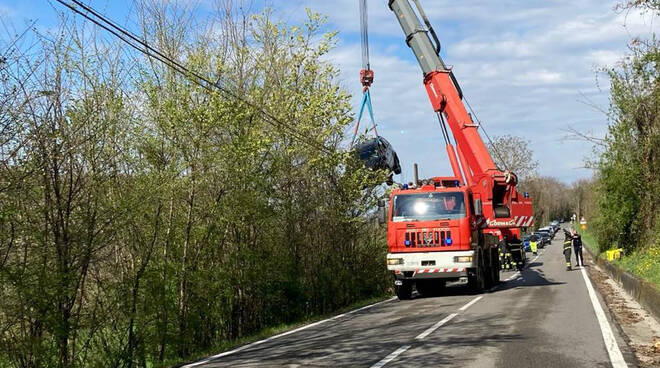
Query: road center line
x,y
616,358
204,361
435,326
391,357
468,305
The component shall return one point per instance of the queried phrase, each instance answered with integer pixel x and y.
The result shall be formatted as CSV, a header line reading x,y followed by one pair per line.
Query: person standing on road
x,y
568,244
533,244
577,247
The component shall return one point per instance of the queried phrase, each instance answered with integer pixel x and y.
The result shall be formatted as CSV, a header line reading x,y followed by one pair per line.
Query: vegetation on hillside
x,y
144,219
622,201
628,167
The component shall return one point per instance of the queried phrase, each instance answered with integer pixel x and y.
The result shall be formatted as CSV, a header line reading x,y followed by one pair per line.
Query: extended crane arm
x,y
442,88
495,188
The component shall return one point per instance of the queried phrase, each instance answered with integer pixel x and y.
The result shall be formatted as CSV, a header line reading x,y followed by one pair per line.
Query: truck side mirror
x,y
478,211
382,211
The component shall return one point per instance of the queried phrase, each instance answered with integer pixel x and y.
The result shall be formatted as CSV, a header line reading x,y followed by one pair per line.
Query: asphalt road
x,y
542,317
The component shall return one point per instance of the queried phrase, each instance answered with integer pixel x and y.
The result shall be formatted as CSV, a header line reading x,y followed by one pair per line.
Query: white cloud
x,y
527,67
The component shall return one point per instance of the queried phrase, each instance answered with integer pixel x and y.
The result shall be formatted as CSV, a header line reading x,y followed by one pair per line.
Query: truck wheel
x,y
496,269
488,270
404,291
477,282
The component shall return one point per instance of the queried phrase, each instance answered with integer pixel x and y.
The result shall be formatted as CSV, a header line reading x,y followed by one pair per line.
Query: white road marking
x,y
468,305
204,361
391,357
435,326
513,276
608,337
439,324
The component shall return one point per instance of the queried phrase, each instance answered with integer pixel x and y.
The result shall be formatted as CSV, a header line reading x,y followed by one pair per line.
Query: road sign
x,y
583,224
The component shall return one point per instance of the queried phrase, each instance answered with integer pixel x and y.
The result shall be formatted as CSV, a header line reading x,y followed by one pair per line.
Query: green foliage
x,y
144,220
644,263
629,176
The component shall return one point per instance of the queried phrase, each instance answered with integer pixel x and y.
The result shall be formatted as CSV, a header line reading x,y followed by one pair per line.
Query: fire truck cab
x,y
434,236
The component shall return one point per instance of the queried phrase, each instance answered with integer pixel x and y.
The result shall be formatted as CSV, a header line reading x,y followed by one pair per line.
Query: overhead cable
x,y
143,47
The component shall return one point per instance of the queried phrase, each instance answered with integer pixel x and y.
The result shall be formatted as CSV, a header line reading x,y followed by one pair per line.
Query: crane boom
x,y
502,203
443,89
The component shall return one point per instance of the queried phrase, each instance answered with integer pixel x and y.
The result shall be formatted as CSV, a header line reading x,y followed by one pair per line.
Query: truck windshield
x,y
428,206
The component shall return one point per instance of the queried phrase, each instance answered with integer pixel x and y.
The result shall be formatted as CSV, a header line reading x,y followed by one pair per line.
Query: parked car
x,y
526,239
555,225
548,231
544,238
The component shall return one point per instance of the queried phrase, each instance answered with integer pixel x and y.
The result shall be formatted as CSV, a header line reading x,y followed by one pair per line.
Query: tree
x,y
145,219
514,154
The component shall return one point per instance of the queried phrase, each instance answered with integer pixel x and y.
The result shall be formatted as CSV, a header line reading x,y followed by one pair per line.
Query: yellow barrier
x,y
613,254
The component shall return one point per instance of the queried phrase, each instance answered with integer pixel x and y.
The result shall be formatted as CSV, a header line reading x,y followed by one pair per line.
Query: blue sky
x,y
528,67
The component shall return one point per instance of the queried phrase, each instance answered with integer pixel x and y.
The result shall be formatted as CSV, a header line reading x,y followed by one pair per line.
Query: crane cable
x,y
366,74
481,125
143,47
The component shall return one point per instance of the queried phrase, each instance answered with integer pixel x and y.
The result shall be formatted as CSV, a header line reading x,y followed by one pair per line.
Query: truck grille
x,y
426,238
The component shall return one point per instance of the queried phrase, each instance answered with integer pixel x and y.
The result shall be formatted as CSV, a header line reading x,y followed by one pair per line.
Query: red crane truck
x,y
449,228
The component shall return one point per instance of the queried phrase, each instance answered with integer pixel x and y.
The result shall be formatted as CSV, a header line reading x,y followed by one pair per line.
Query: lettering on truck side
x,y
493,223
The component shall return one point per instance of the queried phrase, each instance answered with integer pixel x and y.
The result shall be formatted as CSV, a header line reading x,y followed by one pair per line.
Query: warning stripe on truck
x,y
438,270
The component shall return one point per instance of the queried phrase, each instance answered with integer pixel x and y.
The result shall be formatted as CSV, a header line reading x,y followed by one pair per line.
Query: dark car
x,y
547,230
526,240
378,154
544,237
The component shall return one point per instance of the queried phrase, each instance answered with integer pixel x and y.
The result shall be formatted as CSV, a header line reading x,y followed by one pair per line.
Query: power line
x,y
146,49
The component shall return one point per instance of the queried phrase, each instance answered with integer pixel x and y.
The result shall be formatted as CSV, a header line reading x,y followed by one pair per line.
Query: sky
x,y
529,68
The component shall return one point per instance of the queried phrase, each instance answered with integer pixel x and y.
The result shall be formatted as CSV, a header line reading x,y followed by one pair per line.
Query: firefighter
x,y
568,244
577,248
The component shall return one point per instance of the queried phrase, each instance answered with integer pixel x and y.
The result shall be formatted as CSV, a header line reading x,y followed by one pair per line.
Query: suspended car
x,y
378,154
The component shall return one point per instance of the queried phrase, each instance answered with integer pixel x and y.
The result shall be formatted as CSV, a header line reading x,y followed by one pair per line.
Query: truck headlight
x,y
463,259
394,261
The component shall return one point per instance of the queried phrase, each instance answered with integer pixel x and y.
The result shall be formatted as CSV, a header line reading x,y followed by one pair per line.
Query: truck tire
x,y
404,291
488,270
496,267
477,282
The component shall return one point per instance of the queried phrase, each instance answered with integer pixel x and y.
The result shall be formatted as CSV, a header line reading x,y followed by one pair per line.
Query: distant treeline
x,y
144,219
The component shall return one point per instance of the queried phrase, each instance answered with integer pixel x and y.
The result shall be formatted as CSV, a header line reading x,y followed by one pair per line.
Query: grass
x,y
643,263
589,241
265,333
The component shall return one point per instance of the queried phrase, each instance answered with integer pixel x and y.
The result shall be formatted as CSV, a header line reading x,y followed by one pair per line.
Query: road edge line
x,y
612,347
241,348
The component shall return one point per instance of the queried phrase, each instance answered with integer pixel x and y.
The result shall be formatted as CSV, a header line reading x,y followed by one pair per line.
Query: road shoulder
x,y
640,330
